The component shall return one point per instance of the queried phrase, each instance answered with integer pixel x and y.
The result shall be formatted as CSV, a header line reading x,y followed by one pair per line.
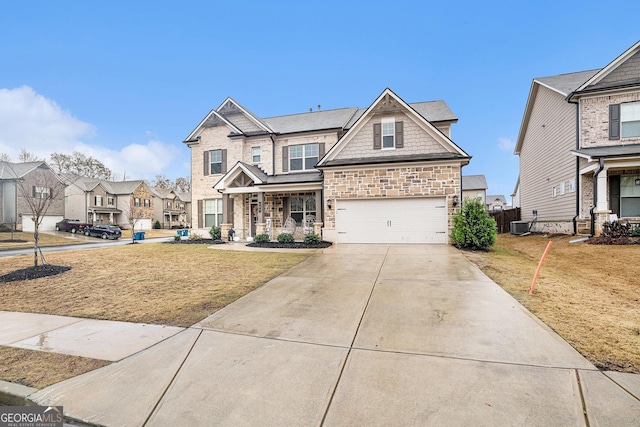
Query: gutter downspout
x,y
273,154
595,197
575,218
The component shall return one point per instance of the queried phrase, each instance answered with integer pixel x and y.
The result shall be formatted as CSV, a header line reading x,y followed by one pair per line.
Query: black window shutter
x,y
200,215
285,209
614,121
33,191
377,136
320,150
399,134
50,193
224,161
285,159
207,167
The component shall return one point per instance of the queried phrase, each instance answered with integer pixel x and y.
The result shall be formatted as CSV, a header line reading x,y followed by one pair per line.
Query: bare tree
x,y
79,164
162,181
183,185
134,215
25,157
4,157
38,190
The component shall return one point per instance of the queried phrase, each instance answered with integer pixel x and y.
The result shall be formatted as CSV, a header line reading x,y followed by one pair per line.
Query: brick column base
x,y
601,218
224,232
317,228
261,227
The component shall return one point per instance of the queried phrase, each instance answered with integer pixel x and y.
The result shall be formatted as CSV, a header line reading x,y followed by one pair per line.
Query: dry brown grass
x,y
153,283
45,240
40,369
589,294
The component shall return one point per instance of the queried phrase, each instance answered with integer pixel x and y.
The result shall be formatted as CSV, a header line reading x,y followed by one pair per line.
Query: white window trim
x,y
388,120
635,105
304,157
255,150
554,191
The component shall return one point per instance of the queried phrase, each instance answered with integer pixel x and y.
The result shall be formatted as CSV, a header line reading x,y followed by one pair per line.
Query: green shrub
x,y
177,238
262,238
311,239
635,232
215,232
157,225
473,228
285,238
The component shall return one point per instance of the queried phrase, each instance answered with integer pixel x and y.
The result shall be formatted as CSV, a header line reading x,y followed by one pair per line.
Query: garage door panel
x,y
411,220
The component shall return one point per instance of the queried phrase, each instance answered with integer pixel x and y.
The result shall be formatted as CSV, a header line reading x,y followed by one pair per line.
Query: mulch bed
x,y
13,241
34,272
195,242
295,245
604,240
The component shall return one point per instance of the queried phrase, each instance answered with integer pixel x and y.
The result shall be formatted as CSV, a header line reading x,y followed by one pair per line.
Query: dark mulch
x,y
13,241
195,242
295,245
34,272
605,240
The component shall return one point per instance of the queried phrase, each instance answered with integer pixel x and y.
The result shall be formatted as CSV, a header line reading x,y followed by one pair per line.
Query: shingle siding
x,y
416,141
546,160
625,73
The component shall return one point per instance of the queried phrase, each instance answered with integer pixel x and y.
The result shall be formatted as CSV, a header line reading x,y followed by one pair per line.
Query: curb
x,y
12,394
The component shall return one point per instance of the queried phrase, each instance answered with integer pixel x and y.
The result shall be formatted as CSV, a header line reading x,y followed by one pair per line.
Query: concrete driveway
x,y
359,335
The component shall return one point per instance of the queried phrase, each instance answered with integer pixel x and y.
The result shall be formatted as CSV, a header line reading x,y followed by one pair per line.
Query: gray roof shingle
x,y
474,182
567,83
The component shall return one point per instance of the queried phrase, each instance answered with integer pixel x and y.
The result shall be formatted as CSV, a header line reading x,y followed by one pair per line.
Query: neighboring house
x,y
99,201
515,196
496,203
579,148
171,208
387,173
40,181
474,187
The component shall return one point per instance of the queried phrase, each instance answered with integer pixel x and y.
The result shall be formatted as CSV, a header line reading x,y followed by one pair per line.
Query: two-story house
x,y
99,201
474,187
23,190
171,208
579,148
387,173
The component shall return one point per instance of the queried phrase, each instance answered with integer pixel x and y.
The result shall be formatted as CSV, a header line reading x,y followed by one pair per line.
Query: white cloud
x,y
40,126
506,144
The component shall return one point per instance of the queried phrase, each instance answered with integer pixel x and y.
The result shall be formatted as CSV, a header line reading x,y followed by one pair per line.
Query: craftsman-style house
x,y
388,173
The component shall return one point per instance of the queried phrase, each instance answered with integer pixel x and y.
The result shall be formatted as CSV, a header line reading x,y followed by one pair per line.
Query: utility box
x,y
519,227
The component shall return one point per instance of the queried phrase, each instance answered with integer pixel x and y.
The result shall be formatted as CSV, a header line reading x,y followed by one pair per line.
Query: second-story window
x,y
255,154
98,200
303,157
147,203
215,157
168,205
41,192
136,201
388,133
110,201
630,119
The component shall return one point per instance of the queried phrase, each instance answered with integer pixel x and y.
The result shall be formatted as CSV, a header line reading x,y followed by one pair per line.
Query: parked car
x,y
72,225
104,231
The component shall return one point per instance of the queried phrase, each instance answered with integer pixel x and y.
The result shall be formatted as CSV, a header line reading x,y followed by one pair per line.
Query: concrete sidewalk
x,y
359,335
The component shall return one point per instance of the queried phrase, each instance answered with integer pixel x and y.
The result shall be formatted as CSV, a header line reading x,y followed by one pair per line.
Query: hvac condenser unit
x,y
519,227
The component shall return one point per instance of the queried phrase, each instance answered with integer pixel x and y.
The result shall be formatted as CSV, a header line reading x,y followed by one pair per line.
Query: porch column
x,y
601,203
317,225
227,219
261,226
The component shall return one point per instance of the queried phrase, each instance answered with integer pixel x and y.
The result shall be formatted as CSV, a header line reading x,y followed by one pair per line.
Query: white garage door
x,y
420,220
48,223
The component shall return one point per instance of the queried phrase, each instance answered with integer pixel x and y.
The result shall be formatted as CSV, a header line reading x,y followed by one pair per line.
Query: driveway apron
x,y
358,335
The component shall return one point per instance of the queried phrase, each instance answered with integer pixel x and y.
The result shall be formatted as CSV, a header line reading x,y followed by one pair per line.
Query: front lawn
x,y
589,294
175,285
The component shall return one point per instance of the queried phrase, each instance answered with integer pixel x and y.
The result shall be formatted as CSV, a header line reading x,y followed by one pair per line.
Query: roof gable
x,y
622,71
242,118
389,104
212,119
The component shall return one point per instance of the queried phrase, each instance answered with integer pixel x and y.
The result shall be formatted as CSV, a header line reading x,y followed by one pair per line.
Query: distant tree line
x,y
78,164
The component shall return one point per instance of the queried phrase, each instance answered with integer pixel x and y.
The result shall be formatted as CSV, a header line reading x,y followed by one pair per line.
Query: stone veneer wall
x,y
394,182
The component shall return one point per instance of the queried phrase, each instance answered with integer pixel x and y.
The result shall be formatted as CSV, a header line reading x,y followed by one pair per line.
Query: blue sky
x,y
126,82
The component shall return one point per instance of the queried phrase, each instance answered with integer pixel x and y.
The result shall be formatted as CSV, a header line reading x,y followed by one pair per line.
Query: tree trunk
x,y
36,243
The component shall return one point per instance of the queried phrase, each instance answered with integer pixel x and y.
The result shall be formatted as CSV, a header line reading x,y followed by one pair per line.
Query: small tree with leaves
x,y
473,228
